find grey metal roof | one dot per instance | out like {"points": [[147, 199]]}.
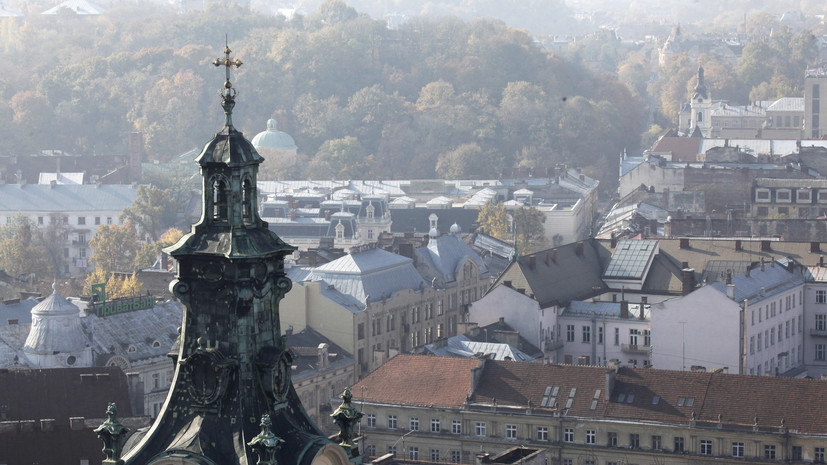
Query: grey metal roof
{"points": [[20, 311], [55, 327], [763, 284], [445, 255], [791, 183], [114, 334], [65, 198], [630, 259], [787, 104], [371, 273], [461, 346], [589, 309]]}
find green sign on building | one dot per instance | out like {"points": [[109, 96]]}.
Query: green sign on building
{"points": [[126, 304]]}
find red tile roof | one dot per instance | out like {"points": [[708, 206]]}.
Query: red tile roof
{"points": [[681, 148], [444, 382], [418, 380]]}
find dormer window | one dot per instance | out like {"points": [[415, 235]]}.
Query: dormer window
{"points": [[700, 116], [370, 210], [340, 230], [219, 200]]}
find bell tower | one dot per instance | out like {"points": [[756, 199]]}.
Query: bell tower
{"points": [[232, 399]]}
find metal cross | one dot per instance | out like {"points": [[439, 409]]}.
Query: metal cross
{"points": [[228, 63]]}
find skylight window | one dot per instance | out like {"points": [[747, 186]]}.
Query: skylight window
{"points": [[681, 401], [655, 400]]}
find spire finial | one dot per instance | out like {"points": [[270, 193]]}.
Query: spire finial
{"points": [[228, 93]]}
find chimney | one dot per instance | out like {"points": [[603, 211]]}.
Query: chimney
{"points": [[476, 374], [532, 262], [290, 201], [815, 247], [749, 267], [821, 261], [684, 243], [642, 315], [548, 258], [687, 280], [738, 245], [728, 276], [766, 246], [624, 309], [554, 255], [289, 330], [292, 215], [730, 290], [614, 241], [611, 376], [327, 215], [578, 248], [406, 249], [136, 393], [324, 356]]}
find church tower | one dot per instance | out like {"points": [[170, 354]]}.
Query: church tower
{"points": [[701, 104], [232, 401]]}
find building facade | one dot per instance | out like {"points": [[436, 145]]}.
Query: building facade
{"points": [[450, 410]]}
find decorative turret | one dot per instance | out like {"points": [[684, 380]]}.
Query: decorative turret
{"points": [[56, 338], [700, 93], [232, 399]]}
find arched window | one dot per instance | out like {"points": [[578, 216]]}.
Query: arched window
{"points": [[219, 191], [246, 203], [700, 116]]}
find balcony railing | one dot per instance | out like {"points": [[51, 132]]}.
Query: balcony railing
{"points": [[634, 349]]}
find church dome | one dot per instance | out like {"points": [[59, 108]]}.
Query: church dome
{"points": [[272, 138], [56, 330]]}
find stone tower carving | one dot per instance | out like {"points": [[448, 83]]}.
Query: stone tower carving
{"points": [[232, 382]]}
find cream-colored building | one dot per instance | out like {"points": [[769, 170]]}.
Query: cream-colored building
{"points": [[376, 304], [450, 409]]}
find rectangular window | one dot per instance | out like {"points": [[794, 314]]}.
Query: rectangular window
{"points": [[769, 452], [759, 342], [617, 336], [434, 455], [414, 424], [392, 421], [569, 333], [360, 330], [634, 441], [456, 426], [413, 453], [479, 428], [435, 428], [633, 332], [511, 431], [587, 334], [456, 456], [39, 220], [678, 444], [796, 453], [647, 338], [656, 443], [818, 454], [821, 296], [542, 433], [611, 439], [821, 352], [97, 221], [568, 435], [392, 450], [737, 449], [751, 345], [706, 447], [81, 220], [109, 220], [821, 322], [600, 335], [590, 436], [371, 420]]}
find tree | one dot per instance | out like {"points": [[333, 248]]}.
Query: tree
{"points": [[115, 248], [116, 286], [494, 221], [153, 210], [530, 232], [22, 250], [340, 159]]}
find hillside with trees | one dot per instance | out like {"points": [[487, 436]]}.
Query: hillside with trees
{"points": [[436, 97]]}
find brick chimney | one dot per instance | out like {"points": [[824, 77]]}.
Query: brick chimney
{"points": [[687, 280], [578, 248], [532, 262], [624, 309]]}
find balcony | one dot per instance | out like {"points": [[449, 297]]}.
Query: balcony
{"points": [[818, 332], [634, 349]]}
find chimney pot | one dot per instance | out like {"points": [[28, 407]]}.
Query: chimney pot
{"points": [[766, 246], [532, 262], [738, 245], [684, 244], [815, 247]]}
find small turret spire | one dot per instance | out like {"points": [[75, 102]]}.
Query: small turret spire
{"points": [[228, 93]]}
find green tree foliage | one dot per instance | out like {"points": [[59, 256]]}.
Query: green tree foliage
{"points": [[153, 210], [22, 249], [115, 248], [530, 232], [494, 221]]}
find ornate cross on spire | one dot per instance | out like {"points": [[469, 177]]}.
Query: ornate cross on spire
{"points": [[228, 93]]}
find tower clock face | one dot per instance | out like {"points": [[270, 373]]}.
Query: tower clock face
{"points": [[212, 272]]}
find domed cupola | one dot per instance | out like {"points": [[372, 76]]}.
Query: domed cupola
{"points": [[274, 139], [56, 338]]}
